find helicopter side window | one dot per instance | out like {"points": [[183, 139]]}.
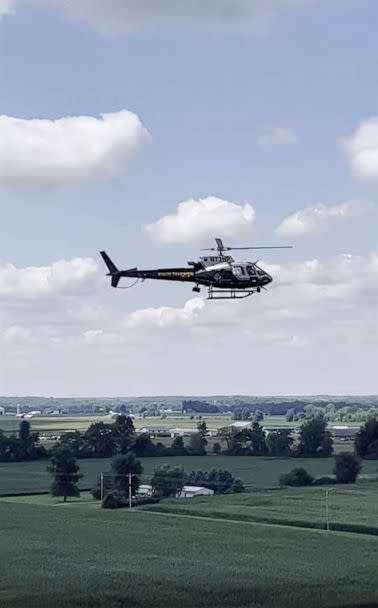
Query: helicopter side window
{"points": [[251, 271], [238, 270]]}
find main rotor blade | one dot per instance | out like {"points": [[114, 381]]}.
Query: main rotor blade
{"points": [[268, 247]]}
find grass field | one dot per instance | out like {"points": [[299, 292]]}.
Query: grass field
{"points": [[255, 472], [348, 506], [80, 555]]}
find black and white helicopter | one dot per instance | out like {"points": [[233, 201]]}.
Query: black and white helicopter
{"points": [[223, 277]]}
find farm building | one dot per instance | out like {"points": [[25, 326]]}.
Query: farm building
{"points": [[187, 491], [242, 424], [2, 410], [182, 432], [343, 433], [155, 431], [193, 491]]}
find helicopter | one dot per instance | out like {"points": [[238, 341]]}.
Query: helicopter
{"points": [[222, 276]]}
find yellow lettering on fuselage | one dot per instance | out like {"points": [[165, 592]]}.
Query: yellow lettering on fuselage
{"points": [[180, 275]]}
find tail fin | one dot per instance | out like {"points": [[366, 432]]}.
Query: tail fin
{"points": [[113, 270]]}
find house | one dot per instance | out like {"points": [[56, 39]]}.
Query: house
{"points": [[144, 490], [193, 491], [155, 431], [343, 433]]}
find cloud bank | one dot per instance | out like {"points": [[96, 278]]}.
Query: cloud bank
{"points": [[273, 135], [198, 220], [74, 149], [318, 217], [136, 15], [361, 149]]}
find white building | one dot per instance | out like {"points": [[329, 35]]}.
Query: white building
{"points": [[193, 491], [242, 424], [2, 410]]}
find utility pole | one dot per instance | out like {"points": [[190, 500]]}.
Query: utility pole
{"points": [[102, 486], [327, 491], [130, 496]]}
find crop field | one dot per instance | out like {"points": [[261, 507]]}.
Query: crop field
{"points": [[351, 507], [80, 555], [256, 473]]}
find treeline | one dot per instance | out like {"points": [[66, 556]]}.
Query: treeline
{"points": [[24, 446]]}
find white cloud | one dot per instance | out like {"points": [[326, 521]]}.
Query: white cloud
{"points": [[165, 317], [361, 149], [131, 15], [65, 277], [273, 135], [98, 337], [15, 335], [197, 220], [317, 217], [6, 7], [74, 149]]}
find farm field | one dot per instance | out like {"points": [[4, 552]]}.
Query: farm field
{"points": [[81, 423], [80, 555], [349, 506], [256, 473]]}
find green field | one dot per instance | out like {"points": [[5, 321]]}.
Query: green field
{"points": [[351, 507], [255, 472], [79, 555]]}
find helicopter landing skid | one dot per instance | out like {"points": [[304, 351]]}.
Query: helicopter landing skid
{"points": [[229, 294]]}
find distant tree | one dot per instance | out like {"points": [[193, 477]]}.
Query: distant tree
{"points": [[202, 427], [27, 446], [258, 416], [177, 447], [347, 467], [297, 477], [121, 467], [290, 415], [217, 448], [74, 440], [167, 481], [144, 446], [366, 440], [65, 471], [124, 434], [99, 440], [197, 444], [257, 440], [314, 438], [6, 451], [279, 443]]}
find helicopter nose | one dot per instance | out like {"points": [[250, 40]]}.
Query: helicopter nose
{"points": [[267, 278]]}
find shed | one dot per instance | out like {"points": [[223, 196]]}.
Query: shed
{"points": [[192, 491]]}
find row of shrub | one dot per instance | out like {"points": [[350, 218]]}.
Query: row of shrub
{"points": [[346, 470]]}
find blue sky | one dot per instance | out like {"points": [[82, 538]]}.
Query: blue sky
{"points": [[205, 94]]}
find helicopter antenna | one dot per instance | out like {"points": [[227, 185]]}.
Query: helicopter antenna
{"points": [[221, 248]]}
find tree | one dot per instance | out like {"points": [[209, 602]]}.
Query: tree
{"points": [[178, 448], [366, 440], [297, 477], [347, 467], [144, 446], [217, 448], [290, 415], [238, 486], [99, 440], [65, 471], [167, 481], [218, 480], [197, 444], [258, 416], [279, 443], [27, 448], [257, 439], [121, 468], [314, 439], [123, 433], [202, 427]]}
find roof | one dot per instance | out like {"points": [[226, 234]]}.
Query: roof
{"points": [[241, 424]]}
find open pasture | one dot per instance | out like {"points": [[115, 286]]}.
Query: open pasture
{"points": [[256, 473], [81, 555]]}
